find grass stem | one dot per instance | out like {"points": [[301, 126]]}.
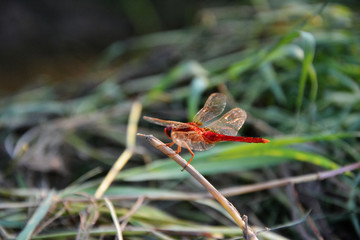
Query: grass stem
{"points": [[229, 207]]}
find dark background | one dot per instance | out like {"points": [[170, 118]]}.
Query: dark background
{"points": [[61, 40]]}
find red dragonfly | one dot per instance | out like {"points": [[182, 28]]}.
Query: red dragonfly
{"points": [[200, 135]]}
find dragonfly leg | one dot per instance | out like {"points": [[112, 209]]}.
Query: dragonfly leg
{"points": [[169, 144], [178, 148], [192, 155]]}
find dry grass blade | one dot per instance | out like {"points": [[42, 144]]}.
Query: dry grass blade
{"points": [[309, 220], [88, 218], [119, 164], [4, 234], [49, 221], [290, 180], [201, 179], [126, 217], [114, 218], [126, 155], [228, 192]]}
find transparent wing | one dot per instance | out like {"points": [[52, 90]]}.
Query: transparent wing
{"points": [[162, 122], [194, 140], [213, 107], [229, 123]]}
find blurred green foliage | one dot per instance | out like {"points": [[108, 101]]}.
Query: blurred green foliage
{"points": [[293, 66]]}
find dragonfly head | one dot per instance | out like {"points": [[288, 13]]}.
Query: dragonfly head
{"points": [[168, 131]]}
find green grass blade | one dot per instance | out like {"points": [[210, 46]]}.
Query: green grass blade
{"points": [[37, 217], [198, 86], [268, 73], [307, 42], [163, 170], [178, 73], [230, 157], [134, 191]]}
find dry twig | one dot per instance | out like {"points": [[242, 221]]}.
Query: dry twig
{"points": [[201, 179]]}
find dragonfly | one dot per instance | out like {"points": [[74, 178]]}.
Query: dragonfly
{"points": [[202, 133]]}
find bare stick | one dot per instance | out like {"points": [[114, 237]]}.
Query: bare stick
{"points": [[201, 179]]}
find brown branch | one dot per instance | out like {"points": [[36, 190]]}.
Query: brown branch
{"points": [[201, 179]]}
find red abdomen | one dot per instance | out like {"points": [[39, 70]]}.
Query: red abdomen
{"points": [[215, 137]]}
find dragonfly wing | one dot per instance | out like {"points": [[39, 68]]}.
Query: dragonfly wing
{"points": [[166, 123], [229, 123], [213, 107], [194, 140]]}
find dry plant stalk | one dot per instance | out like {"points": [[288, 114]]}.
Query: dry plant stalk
{"points": [[126, 155], [234, 191], [247, 231], [114, 218]]}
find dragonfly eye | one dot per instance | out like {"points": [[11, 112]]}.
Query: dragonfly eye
{"points": [[168, 131]]}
